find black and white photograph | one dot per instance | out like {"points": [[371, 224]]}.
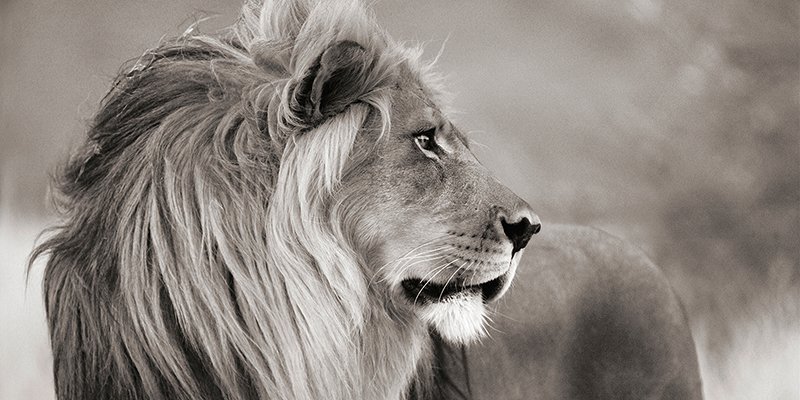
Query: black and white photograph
{"points": [[400, 199]]}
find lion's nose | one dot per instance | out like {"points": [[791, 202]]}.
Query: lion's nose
{"points": [[520, 230]]}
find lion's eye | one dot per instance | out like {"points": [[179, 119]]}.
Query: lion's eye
{"points": [[425, 140]]}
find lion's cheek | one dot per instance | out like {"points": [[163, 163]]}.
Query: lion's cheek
{"points": [[459, 319]]}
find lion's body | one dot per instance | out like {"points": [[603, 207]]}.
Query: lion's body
{"points": [[588, 317], [280, 211]]}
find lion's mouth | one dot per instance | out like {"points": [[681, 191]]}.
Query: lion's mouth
{"points": [[419, 291]]}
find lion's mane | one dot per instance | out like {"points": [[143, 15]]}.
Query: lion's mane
{"points": [[203, 254]]}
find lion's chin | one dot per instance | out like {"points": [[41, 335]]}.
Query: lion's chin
{"points": [[459, 319], [456, 311]]}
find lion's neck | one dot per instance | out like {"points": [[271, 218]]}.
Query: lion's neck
{"points": [[394, 347]]}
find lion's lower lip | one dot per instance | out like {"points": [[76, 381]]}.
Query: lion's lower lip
{"points": [[419, 291]]}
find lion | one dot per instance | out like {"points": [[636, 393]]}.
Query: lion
{"points": [[284, 210]]}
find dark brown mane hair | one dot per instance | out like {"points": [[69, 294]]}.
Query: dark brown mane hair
{"points": [[173, 107]]}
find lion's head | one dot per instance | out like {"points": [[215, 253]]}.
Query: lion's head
{"points": [[445, 234], [280, 211]]}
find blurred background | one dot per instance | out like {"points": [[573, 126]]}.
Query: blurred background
{"points": [[674, 124]]}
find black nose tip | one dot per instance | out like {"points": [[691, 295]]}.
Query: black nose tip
{"points": [[520, 232]]}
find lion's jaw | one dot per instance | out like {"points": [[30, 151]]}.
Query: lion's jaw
{"points": [[449, 280], [457, 309]]}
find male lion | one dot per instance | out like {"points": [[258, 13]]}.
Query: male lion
{"points": [[283, 211]]}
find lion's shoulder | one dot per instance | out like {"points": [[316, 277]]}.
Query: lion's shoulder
{"points": [[589, 316]]}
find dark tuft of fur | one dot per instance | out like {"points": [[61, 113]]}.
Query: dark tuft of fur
{"points": [[187, 86]]}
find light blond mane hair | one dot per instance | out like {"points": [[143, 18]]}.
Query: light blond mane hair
{"points": [[205, 250]]}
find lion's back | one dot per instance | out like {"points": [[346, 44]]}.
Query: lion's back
{"points": [[588, 316]]}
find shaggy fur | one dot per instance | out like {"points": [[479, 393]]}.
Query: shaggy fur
{"points": [[203, 254], [224, 236]]}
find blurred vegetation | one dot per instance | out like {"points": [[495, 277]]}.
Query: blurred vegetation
{"points": [[733, 229]]}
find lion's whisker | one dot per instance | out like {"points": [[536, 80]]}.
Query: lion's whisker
{"points": [[412, 252], [461, 268], [406, 262], [433, 273], [411, 263], [401, 263]]}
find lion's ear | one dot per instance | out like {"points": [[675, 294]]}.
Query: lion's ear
{"points": [[334, 82]]}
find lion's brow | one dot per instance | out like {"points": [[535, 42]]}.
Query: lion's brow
{"points": [[460, 135]]}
